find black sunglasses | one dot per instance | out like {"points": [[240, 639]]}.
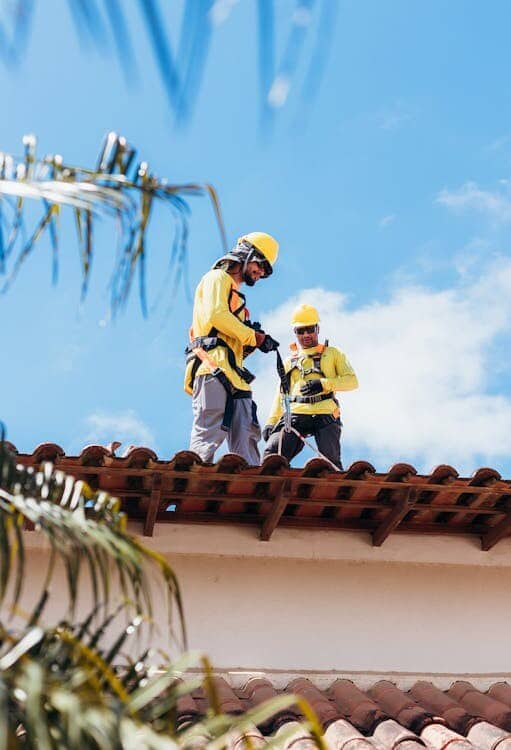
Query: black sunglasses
{"points": [[305, 329], [258, 257]]}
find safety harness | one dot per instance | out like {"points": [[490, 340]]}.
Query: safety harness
{"points": [[197, 352], [297, 361]]}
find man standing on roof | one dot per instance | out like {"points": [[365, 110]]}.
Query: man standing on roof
{"points": [[315, 372], [221, 335]]}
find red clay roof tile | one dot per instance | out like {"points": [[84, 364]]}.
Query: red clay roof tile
{"points": [[401, 706], [381, 717], [327, 711], [392, 735], [441, 704], [356, 706], [312, 497], [481, 705]]}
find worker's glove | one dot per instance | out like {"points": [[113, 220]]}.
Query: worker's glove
{"points": [[268, 344], [255, 325], [311, 387], [267, 431]]}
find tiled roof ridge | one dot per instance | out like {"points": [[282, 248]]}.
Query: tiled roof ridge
{"points": [[362, 679], [144, 456], [184, 489]]}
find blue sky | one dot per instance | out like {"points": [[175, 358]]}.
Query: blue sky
{"points": [[388, 192]]}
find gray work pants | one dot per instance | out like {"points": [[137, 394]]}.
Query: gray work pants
{"points": [[325, 429], [208, 403]]}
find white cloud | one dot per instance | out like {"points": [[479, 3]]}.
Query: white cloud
{"points": [[64, 361], [499, 144], [394, 117], [221, 10], [387, 220], [126, 427], [425, 361], [494, 205]]}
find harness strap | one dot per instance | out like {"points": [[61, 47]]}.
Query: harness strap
{"points": [[232, 393], [207, 343], [311, 399], [236, 310], [298, 359]]}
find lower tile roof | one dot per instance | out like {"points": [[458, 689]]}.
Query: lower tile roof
{"points": [[382, 716], [186, 490]]}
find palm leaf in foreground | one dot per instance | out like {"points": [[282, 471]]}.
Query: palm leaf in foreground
{"points": [[89, 682], [118, 188]]}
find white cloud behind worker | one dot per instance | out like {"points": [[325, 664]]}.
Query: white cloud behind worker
{"points": [[315, 372], [221, 336]]}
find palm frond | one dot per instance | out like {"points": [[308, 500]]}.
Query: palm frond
{"points": [[95, 544], [116, 188], [105, 24], [70, 686]]}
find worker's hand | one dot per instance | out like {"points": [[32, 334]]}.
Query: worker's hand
{"points": [[260, 337], [311, 387], [267, 431], [268, 344]]}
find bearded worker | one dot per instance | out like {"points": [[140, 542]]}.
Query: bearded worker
{"points": [[315, 372], [221, 336]]}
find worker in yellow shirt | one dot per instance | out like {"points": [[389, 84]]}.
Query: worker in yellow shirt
{"points": [[220, 337], [314, 372]]}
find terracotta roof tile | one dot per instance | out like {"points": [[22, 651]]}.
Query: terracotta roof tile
{"points": [[501, 691], [401, 706], [379, 718], [356, 706], [238, 741], [256, 691], [229, 702], [482, 705], [47, 452], [489, 737], [93, 455], [326, 710], [390, 734], [187, 710], [440, 736], [139, 457], [441, 704], [300, 739], [183, 489], [343, 736]]}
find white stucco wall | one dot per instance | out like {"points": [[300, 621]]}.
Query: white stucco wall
{"points": [[289, 615], [276, 606]]}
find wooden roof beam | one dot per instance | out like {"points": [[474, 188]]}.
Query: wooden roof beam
{"points": [[153, 505], [271, 521], [395, 516], [496, 533]]}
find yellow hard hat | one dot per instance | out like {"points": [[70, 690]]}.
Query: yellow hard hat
{"points": [[305, 315], [265, 243]]}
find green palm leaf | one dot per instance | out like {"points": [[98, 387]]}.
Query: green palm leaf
{"points": [[117, 188], [70, 686]]}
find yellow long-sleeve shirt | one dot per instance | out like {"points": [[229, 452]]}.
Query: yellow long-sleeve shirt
{"points": [[338, 376], [215, 298]]}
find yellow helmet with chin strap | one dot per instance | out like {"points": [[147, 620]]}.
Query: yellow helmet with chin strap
{"points": [[265, 243], [255, 246], [305, 315]]}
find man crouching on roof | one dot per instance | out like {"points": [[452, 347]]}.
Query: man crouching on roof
{"points": [[314, 371], [220, 337]]}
